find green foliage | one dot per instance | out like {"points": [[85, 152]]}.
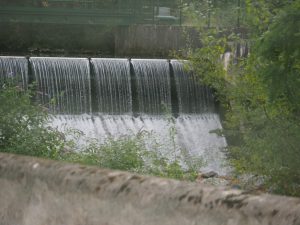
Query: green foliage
{"points": [[279, 51], [130, 153], [268, 110], [213, 13], [260, 95], [125, 153], [22, 125], [206, 64], [261, 13], [268, 138]]}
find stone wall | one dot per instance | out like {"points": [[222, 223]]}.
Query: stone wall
{"points": [[35, 191], [56, 40], [141, 41], [149, 41]]}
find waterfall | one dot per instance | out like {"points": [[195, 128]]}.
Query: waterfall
{"points": [[63, 84], [153, 85], [112, 86], [192, 96], [15, 68], [226, 57], [127, 97]]}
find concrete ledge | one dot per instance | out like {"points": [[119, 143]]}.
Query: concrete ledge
{"points": [[35, 192]]}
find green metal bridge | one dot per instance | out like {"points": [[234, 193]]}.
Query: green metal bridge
{"points": [[98, 12]]}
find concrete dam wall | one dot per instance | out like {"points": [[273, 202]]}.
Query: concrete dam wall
{"points": [[148, 41], [35, 191]]}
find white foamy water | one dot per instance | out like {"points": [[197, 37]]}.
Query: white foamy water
{"points": [[193, 133]]}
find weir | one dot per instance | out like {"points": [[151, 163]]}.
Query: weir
{"points": [[109, 98]]}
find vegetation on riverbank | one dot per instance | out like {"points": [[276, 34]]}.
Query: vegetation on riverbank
{"points": [[24, 130], [259, 92]]}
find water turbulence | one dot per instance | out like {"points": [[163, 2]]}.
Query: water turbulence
{"points": [[113, 95], [153, 85], [63, 84], [128, 97], [192, 134], [112, 86], [14, 69]]}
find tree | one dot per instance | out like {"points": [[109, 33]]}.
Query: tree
{"points": [[260, 94], [279, 50]]}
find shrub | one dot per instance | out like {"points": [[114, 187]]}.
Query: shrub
{"points": [[23, 127]]}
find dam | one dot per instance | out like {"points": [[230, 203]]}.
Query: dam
{"points": [[113, 97]]}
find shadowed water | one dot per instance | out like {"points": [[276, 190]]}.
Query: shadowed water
{"points": [[192, 96], [63, 84], [113, 87], [153, 85]]}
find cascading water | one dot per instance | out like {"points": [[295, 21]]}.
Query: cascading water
{"points": [[192, 96], [226, 57], [153, 85], [15, 68], [63, 84], [113, 86]]}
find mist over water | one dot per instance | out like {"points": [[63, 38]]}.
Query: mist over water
{"points": [[106, 98]]}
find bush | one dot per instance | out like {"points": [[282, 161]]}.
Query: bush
{"points": [[130, 153], [261, 98], [23, 125]]}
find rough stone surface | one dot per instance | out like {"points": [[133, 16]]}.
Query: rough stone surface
{"points": [[35, 191], [135, 41]]}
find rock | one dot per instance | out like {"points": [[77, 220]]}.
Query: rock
{"points": [[209, 175], [251, 182]]}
